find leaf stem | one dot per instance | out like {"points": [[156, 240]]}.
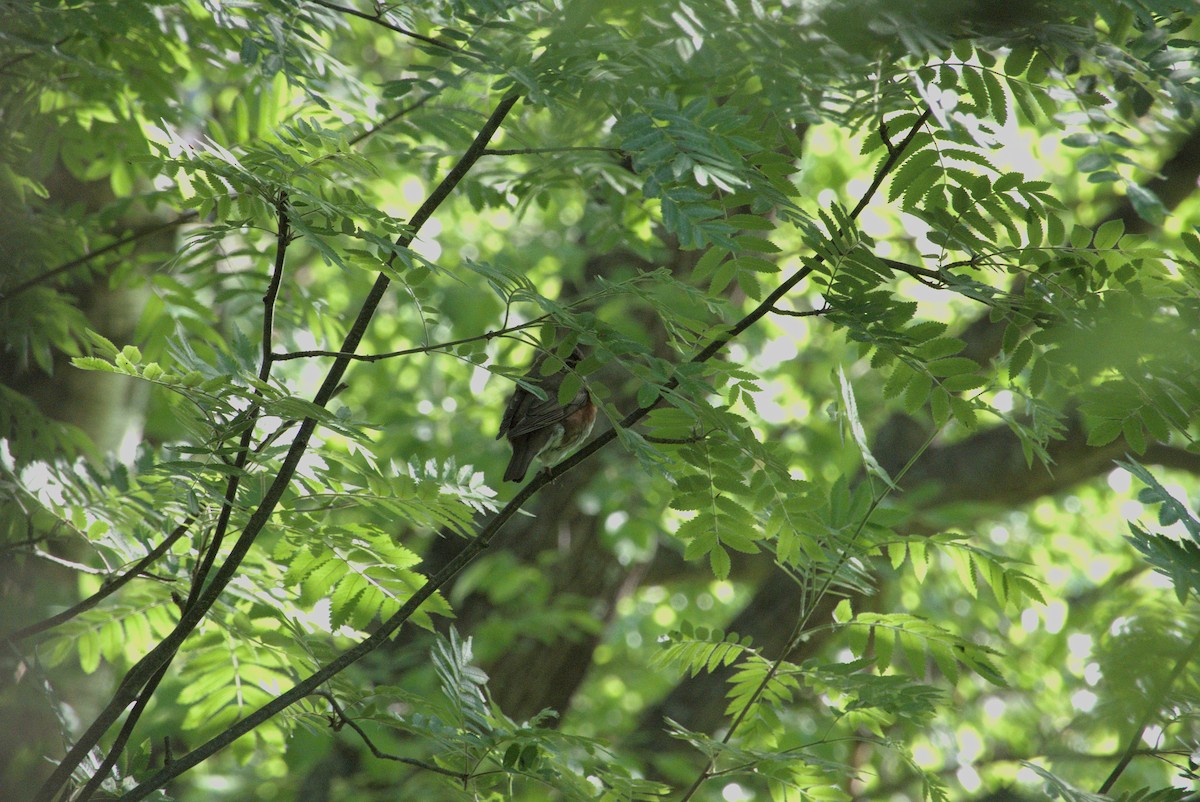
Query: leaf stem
{"points": [[894, 154], [1152, 708], [106, 590], [87, 257], [193, 613], [379, 20]]}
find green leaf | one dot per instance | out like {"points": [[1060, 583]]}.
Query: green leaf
{"points": [[952, 366], [1108, 234], [719, 560], [917, 393], [940, 406], [1102, 431], [1146, 204], [940, 347], [1020, 358], [569, 388], [850, 408]]}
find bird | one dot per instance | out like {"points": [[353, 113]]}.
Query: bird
{"points": [[543, 429]]}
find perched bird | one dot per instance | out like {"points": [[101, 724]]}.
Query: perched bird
{"points": [[544, 429]]}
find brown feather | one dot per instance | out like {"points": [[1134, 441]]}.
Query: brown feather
{"points": [[533, 424]]}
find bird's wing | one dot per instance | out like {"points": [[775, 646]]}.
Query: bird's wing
{"points": [[522, 399], [531, 413], [510, 412]]}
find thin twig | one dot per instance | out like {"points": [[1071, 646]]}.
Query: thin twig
{"points": [[20, 544], [1152, 708], [469, 552], [391, 118], [187, 216], [915, 271], [391, 26], [282, 239], [106, 590], [886, 137], [884, 169], [487, 336], [74, 565], [824, 310], [342, 718], [674, 441], [529, 151], [87, 257], [131, 688], [193, 614], [889, 163], [17, 59], [118, 745]]}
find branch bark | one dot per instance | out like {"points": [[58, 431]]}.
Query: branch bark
{"points": [[146, 668]]}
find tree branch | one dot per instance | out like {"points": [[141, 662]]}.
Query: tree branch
{"points": [[895, 152], [486, 336], [1152, 707], [106, 590], [17, 59], [148, 666], [282, 238], [801, 313], [87, 257], [473, 549], [186, 217], [343, 719], [379, 20], [529, 151]]}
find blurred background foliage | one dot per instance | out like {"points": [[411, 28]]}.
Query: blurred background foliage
{"points": [[897, 505]]}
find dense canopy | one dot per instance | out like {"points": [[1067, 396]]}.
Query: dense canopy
{"points": [[889, 310]]}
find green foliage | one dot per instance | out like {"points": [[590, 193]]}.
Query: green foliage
{"points": [[1176, 558], [491, 753], [807, 252], [900, 640], [696, 650]]}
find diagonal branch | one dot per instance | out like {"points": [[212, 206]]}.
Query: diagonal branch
{"points": [[141, 233], [107, 590], [895, 153], [482, 540], [282, 238], [378, 19], [344, 720], [148, 666], [1152, 708], [185, 217], [487, 336], [531, 151]]}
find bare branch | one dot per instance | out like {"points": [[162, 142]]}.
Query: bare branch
{"points": [[391, 26], [486, 336], [343, 719], [146, 668], [824, 310], [529, 151], [106, 590]]}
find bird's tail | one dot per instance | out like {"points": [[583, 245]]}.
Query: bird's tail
{"points": [[519, 464]]}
